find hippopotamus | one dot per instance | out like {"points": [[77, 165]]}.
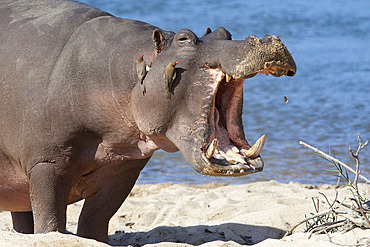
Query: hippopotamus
{"points": [[76, 125]]}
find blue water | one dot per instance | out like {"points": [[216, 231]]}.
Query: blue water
{"points": [[329, 98]]}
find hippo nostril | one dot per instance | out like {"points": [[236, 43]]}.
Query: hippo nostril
{"points": [[290, 73]]}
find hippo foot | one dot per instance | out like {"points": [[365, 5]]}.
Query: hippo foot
{"points": [[23, 222]]}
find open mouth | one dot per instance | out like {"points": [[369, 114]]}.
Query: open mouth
{"points": [[225, 149]]}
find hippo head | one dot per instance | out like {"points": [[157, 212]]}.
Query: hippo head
{"points": [[203, 118]]}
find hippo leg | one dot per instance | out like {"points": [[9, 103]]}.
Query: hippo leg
{"points": [[23, 222], [49, 197], [101, 206]]}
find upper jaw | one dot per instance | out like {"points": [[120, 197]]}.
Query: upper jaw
{"points": [[244, 59], [274, 68]]}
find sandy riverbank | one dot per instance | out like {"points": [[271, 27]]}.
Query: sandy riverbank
{"points": [[255, 214]]}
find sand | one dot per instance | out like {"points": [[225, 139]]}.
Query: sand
{"points": [[255, 214]]}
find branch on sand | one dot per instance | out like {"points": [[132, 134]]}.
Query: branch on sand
{"points": [[340, 216]]}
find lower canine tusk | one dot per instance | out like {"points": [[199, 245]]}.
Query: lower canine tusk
{"points": [[256, 149], [212, 148]]}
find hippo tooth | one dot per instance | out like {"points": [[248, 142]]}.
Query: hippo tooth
{"points": [[228, 158], [228, 78], [211, 149], [217, 155], [147, 68], [235, 149], [256, 149], [234, 155]]}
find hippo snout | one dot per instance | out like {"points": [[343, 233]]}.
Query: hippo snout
{"points": [[282, 59], [245, 59]]}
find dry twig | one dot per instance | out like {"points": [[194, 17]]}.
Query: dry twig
{"points": [[307, 219], [335, 219], [326, 156], [360, 146]]}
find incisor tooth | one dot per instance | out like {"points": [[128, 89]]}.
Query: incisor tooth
{"points": [[235, 149], [256, 149], [228, 78], [228, 158], [211, 149], [235, 156], [217, 155]]}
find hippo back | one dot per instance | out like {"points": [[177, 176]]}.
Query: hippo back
{"points": [[33, 35]]}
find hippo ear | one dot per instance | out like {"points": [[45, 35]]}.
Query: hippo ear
{"points": [[159, 40], [208, 31], [219, 34]]}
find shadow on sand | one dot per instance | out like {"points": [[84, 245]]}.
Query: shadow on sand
{"points": [[196, 235]]}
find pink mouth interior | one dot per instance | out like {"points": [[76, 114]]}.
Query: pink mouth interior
{"points": [[226, 117], [227, 114]]}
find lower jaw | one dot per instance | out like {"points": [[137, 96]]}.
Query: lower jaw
{"points": [[231, 170]]}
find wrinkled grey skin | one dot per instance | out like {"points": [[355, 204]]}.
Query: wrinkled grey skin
{"points": [[75, 125]]}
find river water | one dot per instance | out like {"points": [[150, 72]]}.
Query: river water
{"points": [[329, 98]]}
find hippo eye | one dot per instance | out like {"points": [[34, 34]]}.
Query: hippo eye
{"points": [[183, 39]]}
